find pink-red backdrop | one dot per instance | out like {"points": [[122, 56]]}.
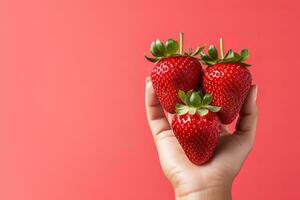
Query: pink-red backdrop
{"points": [[72, 119]]}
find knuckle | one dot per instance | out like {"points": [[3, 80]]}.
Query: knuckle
{"points": [[175, 176], [160, 137]]}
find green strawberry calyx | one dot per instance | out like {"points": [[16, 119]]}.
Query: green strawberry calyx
{"points": [[170, 48], [195, 102], [212, 57]]}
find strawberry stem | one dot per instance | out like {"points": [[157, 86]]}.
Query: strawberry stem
{"points": [[181, 43], [221, 48]]}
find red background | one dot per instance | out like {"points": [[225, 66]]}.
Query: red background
{"points": [[72, 119]]}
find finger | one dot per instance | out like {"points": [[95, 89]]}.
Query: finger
{"points": [[246, 124], [155, 113], [224, 130], [171, 154], [233, 149], [170, 117]]}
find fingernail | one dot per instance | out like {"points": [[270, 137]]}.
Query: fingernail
{"points": [[148, 79], [255, 92]]}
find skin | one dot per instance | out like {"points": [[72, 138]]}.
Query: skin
{"points": [[213, 180]]}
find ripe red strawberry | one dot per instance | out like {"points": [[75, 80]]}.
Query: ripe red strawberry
{"points": [[173, 72], [227, 80], [196, 126]]}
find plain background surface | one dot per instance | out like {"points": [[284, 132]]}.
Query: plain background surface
{"points": [[72, 76]]}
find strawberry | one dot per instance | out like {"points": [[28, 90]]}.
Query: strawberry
{"points": [[196, 126], [173, 71], [227, 80]]}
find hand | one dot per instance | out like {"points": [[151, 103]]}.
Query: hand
{"points": [[212, 180]]}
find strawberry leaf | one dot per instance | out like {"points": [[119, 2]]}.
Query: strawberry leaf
{"points": [[209, 63], [161, 47], [245, 64], [205, 63], [237, 57], [244, 54], [212, 52], [192, 110], [206, 99], [205, 57], [181, 109], [182, 96], [229, 55], [171, 46], [195, 99], [188, 96], [213, 108], [198, 50], [202, 112], [154, 50], [195, 103], [211, 57], [154, 60]]}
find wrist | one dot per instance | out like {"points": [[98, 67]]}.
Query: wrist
{"points": [[213, 193]]}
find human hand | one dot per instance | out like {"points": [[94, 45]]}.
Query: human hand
{"points": [[212, 180]]}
